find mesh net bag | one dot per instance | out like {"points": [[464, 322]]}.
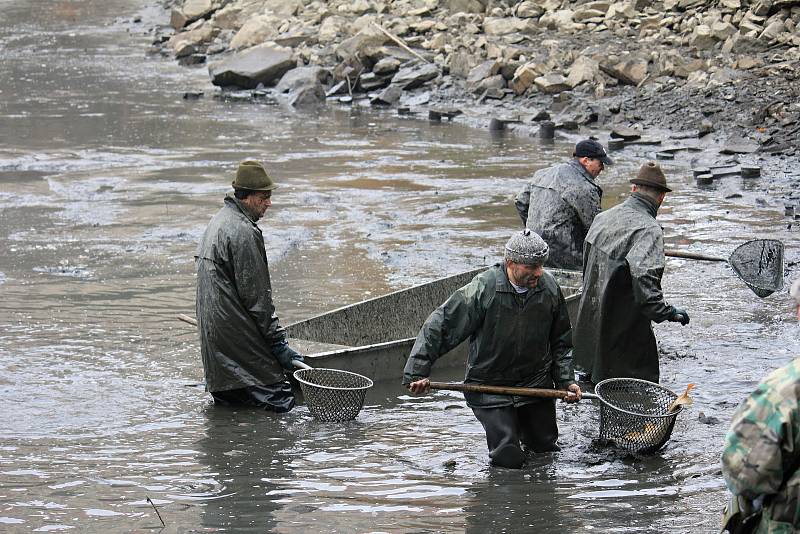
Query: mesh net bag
{"points": [[633, 414], [331, 394]]}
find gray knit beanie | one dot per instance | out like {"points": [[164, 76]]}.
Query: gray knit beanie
{"points": [[527, 247]]}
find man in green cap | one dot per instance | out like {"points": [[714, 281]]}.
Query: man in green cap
{"points": [[761, 457], [623, 262], [242, 342], [516, 320]]}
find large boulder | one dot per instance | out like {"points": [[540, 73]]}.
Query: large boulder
{"points": [[255, 31], [262, 64], [191, 11], [583, 69], [301, 76], [363, 44], [630, 71]]}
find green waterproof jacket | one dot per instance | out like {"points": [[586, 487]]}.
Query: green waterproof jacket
{"points": [[761, 458], [514, 340], [235, 315], [623, 262]]}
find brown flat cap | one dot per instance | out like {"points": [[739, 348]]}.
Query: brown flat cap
{"points": [[650, 174]]}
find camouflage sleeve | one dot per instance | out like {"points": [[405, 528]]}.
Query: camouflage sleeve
{"points": [[760, 446]]}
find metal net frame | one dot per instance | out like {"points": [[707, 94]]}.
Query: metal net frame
{"points": [[759, 263], [633, 414], [333, 395]]}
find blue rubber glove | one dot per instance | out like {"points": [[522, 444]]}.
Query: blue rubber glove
{"points": [[679, 316], [285, 354]]}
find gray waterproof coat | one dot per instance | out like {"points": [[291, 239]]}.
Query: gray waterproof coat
{"points": [[623, 266], [514, 340], [235, 315], [559, 204]]}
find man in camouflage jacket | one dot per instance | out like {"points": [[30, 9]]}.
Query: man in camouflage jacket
{"points": [[516, 320], [761, 459]]}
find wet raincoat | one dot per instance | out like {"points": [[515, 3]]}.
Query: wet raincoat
{"points": [[623, 266], [514, 340], [559, 204], [235, 315], [761, 458]]}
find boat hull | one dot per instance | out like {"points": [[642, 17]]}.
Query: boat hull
{"points": [[374, 337]]}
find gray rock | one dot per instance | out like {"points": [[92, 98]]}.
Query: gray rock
{"points": [[388, 97], [370, 81], [191, 11], [483, 71], [414, 76], [262, 64], [629, 71], [465, 6], [307, 96], [490, 85], [528, 10], [552, 83], [772, 31], [365, 43], [301, 76], [739, 145], [387, 65], [583, 69], [461, 62]]}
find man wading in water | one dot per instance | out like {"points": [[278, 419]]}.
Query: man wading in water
{"points": [[623, 262], [242, 342], [560, 203], [515, 318]]}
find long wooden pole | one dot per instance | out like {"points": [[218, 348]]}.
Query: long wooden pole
{"points": [[692, 256], [507, 390], [399, 42]]}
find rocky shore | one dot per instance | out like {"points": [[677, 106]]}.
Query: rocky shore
{"points": [[717, 80]]}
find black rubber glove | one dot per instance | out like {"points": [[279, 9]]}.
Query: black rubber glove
{"points": [[285, 354], [679, 316]]}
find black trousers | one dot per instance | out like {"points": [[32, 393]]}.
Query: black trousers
{"points": [[276, 397], [531, 425]]}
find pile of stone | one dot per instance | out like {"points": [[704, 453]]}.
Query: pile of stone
{"points": [[486, 50]]}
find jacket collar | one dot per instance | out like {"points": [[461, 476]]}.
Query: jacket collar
{"points": [[236, 204], [640, 202], [574, 163], [503, 284]]}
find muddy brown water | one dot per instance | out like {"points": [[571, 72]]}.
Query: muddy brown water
{"points": [[107, 178]]}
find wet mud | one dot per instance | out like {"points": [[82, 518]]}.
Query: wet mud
{"points": [[107, 179]]}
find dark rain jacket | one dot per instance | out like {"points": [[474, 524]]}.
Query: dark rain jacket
{"points": [[559, 204], [623, 266], [514, 340], [235, 315]]}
